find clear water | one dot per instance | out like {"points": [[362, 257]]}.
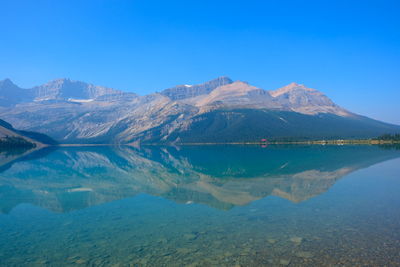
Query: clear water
{"points": [[201, 206]]}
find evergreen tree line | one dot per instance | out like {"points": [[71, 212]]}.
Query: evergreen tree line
{"points": [[394, 137], [15, 142]]}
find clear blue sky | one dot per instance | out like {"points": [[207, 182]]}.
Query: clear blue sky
{"points": [[350, 50]]}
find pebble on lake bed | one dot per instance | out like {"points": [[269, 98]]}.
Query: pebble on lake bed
{"points": [[190, 236], [183, 250], [284, 262], [80, 261], [304, 254], [296, 240]]}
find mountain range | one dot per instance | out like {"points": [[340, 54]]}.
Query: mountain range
{"points": [[217, 111]]}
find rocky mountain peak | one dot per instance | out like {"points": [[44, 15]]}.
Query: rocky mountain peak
{"points": [[60, 80], [290, 88], [63, 82], [11, 94], [222, 80], [299, 98], [65, 88], [238, 93], [294, 85], [238, 86], [187, 91], [7, 84]]}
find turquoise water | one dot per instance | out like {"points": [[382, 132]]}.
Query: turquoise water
{"points": [[201, 206]]}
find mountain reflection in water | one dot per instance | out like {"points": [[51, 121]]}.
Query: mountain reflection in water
{"points": [[71, 178]]}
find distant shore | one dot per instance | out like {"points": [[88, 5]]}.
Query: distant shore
{"points": [[313, 142], [73, 145]]}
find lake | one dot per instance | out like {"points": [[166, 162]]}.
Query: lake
{"points": [[280, 205]]}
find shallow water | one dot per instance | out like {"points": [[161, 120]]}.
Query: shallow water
{"points": [[202, 206]]}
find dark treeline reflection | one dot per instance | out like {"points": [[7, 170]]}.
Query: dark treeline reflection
{"points": [[71, 178]]}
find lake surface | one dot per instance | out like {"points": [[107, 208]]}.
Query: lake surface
{"points": [[201, 206]]}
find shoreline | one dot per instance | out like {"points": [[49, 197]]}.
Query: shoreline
{"points": [[315, 142]]}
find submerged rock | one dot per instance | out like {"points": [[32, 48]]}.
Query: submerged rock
{"points": [[284, 262], [190, 236], [297, 240], [304, 254], [80, 261], [183, 250]]}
